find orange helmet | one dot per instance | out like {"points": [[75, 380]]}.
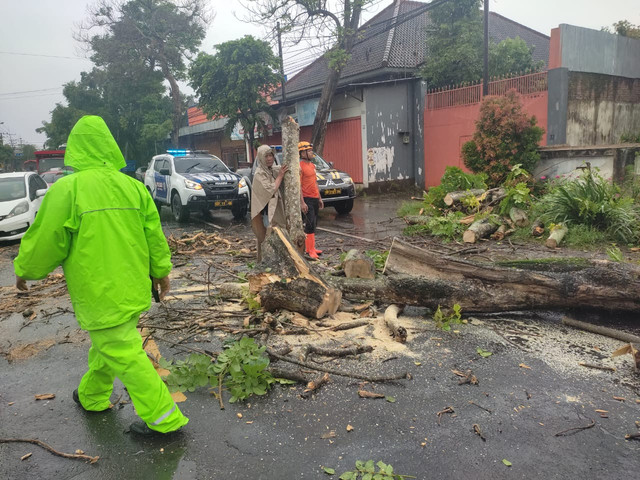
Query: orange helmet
{"points": [[302, 146]]}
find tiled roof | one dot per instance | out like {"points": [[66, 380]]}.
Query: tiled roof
{"points": [[385, 48]]}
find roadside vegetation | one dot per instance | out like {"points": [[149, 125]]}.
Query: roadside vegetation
{"points": [[500, 197]]}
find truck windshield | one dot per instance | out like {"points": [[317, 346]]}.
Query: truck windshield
{"points": [[199, 165], [12, 189], [50, 163]]}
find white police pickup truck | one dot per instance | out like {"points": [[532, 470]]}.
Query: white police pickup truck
{"points": [[195, 182]]}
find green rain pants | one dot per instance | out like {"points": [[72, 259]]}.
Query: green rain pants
{"points": [[117, 352]]}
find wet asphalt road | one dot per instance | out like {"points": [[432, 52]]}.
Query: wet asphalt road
{"points": [[283, 436]]}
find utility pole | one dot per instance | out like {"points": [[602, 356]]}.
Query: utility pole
{"points": [[485, 74], [284, 95]]}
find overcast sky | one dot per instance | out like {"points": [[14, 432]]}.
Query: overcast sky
{"points": [[38, 54]]}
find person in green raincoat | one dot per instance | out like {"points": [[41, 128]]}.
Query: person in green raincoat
{"points": [[104, 229]]}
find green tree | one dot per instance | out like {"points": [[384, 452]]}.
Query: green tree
{"points": [[160, 34], [512, 55], [454, 44], [337, 20], [454, 48], [131, 101], [505, 136], [236, 83], [6, 156], [624, 28]]}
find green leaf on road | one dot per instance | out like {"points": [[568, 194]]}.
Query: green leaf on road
{"points": [[506, 462], [483, 353], [329, 471]]}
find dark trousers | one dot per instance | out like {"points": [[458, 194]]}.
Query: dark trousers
{"points": [[310, 219]]}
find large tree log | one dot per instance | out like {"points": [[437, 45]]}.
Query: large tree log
{"points": [[292, 207], [414, 276], [285, 280]]}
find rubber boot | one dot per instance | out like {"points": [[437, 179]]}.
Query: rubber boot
{"points": [[309, 242], [318, 252]]}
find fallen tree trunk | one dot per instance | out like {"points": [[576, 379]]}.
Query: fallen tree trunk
{"points": [[285, 280], [414, 276]]}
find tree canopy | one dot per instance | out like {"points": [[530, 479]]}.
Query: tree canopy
{"points": [[158, 34], [624, 28], [455, 47], [236, 82], [336, 21], [132, 102]]}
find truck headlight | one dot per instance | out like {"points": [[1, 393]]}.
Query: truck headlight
{"points": [[242, 183], [347, 180], [19, 209], [192, 185]]}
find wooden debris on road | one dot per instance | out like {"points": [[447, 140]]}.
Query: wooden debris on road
{"points": [[398, 332], [557, 234], [286, 281], [47, 447], [358, 265]]}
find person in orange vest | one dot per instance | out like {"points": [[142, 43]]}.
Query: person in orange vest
{"points": [[310, 195]]}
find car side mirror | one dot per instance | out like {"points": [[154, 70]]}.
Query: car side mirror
{"points": [[165, 171], [40, 192], [331, 164]]}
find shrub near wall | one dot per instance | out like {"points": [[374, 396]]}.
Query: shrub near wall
{"points": [[505, 136]]}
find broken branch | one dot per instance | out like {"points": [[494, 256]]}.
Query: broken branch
{"points": [[35, 441]]}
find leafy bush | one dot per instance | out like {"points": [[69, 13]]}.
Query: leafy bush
{"points": [[504, 136], [448, 227], [454, 179], [241, 368], [594, 202]]}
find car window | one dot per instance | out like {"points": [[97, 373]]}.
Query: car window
{"points": [[12, 188], [199, 165], [40, 183], [157, 165], [51, 177], [32, 187]]}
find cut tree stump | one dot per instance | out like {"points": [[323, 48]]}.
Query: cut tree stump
{"points": [[285, 280], [414, 276], [479, 229], [291, 183], [358, 265]]}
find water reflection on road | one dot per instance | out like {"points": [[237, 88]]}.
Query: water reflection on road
{"points": [[372, 217]]}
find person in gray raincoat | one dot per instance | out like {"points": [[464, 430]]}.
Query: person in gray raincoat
{"points": [[267, 206]]}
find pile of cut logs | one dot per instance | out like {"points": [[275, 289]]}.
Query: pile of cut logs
{"points": [[491, 225]]}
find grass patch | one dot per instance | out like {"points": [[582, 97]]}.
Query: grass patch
{"points": [[410, 208]]}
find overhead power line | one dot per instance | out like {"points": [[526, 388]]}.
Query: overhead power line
{"points": [[42, 55], [31, 91]]}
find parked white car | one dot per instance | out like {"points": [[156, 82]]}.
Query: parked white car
{"points": [[195, 182], [20, 198]]}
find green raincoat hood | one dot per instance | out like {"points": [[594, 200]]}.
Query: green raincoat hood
{"points": [[91, 145]]}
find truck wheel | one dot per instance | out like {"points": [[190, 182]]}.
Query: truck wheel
{"points": [[344, 207], [239, 213], [180, 213]]}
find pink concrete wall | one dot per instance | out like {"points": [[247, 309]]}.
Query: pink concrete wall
{"points": [[449, 120]]}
